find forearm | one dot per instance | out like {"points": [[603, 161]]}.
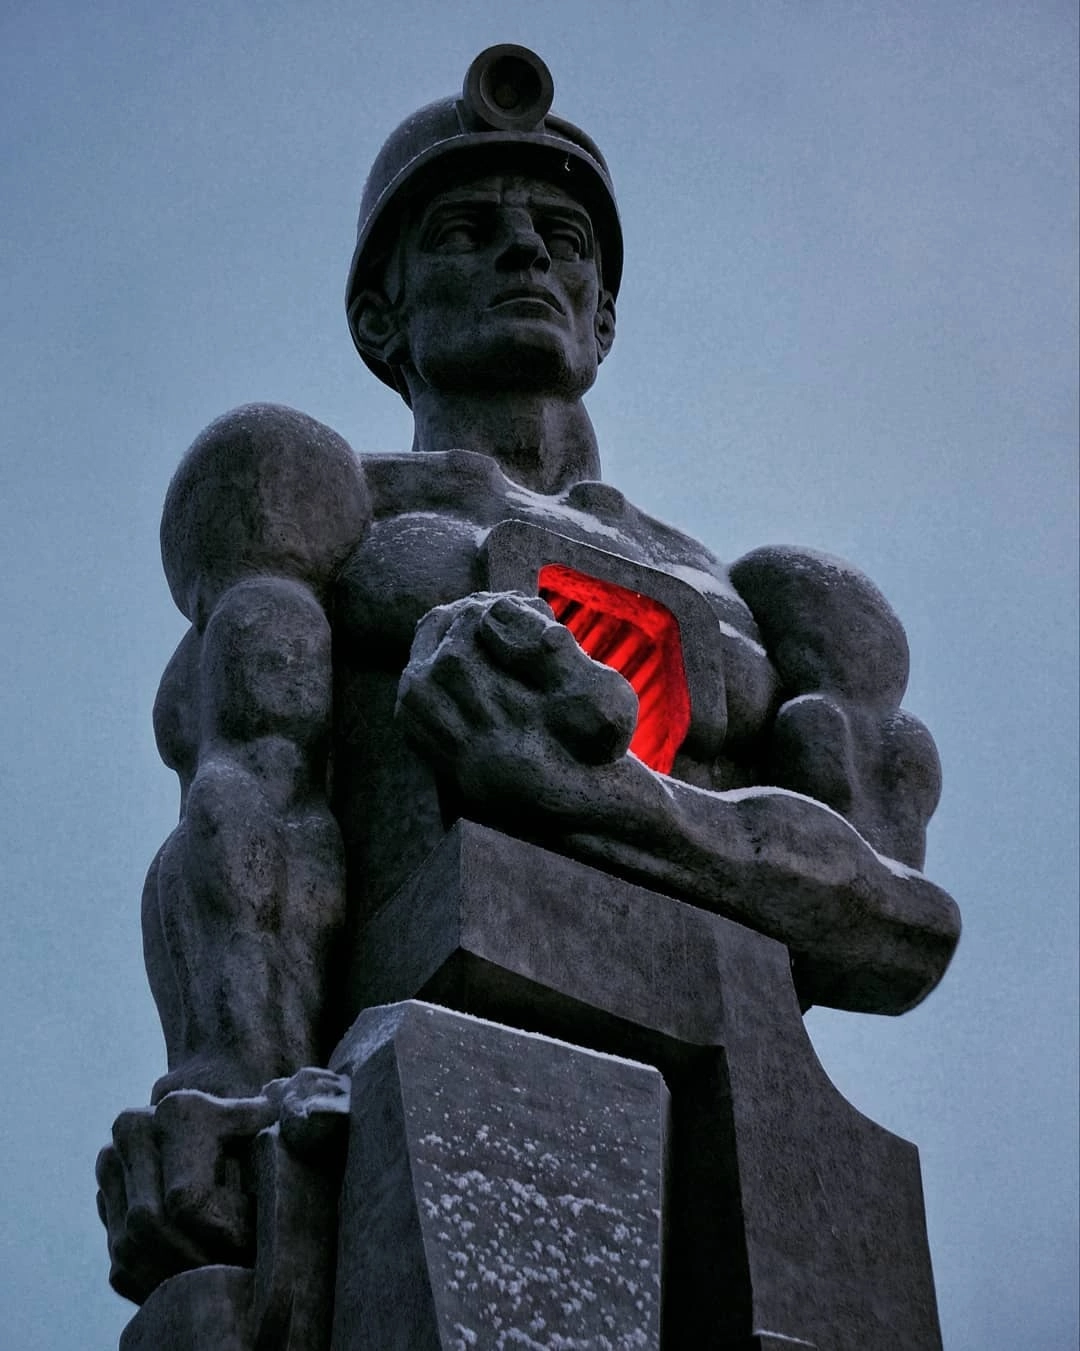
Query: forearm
{"points": [[250, 887], [866, 932]]}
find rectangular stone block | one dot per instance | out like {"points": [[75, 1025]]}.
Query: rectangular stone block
{"points": [[503, 1189], [792, 1216]]}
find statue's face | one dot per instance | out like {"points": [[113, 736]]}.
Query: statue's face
{"points": [[500, 290]]}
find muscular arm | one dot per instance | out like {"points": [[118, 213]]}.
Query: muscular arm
{"points": [[532, 735], [245, 899], [840, 735]]}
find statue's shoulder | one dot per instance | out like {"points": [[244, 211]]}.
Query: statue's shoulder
{"points": [[825, 624], [462, 484], [264, 490]]}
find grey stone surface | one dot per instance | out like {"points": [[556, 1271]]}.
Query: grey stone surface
{"points": [[482, 699], [483, 289], [296, 1245], [173, 1192], [200, 1188], [246, 897], [368, 662], [204, 1310], [789, 1211], [502, 1190], [840, 735]]}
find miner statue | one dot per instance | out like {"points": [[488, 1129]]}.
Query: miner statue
{"points": [[509, 809]]}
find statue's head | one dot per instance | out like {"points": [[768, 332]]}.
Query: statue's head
{"points": [[488, 233]]}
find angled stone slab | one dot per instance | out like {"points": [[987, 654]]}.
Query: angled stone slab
{"points": [[791, 1217], [502, 1189], [204, 1310]]}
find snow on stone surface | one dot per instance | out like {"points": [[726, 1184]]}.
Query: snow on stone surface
{"points": [[897, 868], [539, 1178], [541, 507], [708, 583]]}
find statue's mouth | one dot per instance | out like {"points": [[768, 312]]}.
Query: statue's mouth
{"points": [[527, 295]]}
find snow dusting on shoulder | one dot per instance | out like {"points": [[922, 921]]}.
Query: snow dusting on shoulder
{"points": [[708, 583], [825, 560], [730, 631], [552, 509], [899, 869]]}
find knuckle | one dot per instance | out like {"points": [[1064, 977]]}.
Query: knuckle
{"points": [[132, 1127]]}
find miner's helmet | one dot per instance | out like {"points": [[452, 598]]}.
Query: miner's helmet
{"points": [[501, 123]]}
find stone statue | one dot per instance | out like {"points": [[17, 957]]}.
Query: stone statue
{"points": [[481, 628]]}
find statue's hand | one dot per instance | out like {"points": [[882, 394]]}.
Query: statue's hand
{"points": [[499, 696], [173, 1191], [177, 1184], [532, 734]]}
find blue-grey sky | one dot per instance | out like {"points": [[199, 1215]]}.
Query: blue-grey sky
{"points": [[848, 321]]}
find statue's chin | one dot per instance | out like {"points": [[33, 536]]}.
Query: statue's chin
{"points": [[532, 360]]}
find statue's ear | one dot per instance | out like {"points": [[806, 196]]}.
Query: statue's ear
{"points": [[604, 324], [375, 323]]}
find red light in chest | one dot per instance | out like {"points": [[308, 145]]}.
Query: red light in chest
{"points": [[639, 638]]}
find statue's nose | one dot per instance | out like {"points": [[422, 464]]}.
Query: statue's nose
{"points": [[522, 247]]}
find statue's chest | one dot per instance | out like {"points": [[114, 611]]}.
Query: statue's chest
{"points": [[440, 532], [417, 559], [426, 546], [405, 565]]}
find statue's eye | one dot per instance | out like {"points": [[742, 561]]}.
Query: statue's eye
{"points": [[565, 240], [459, 233]]}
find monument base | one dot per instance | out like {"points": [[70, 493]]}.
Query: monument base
{"points": [[501, 1189], [791, 1216], [603, 1126]]}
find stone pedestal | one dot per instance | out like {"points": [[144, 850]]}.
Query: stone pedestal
{"points": [[582, 1115], [790, 1216], [502, 1189]]}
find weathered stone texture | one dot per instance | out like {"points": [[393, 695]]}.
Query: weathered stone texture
{"points": [[503, 1190], [204, 1310], [788, 1210], [371, 668]]}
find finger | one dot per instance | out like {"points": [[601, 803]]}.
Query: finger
{"points": [[595, 730], [314, 1088], [135, 1146], [563, 661], [437, 623], [503, 605], [130, 1273], [111, 1197], [204, 1142], [315, 1116], [520, 636], [461, 671], [144, 1247], [432, 719]]}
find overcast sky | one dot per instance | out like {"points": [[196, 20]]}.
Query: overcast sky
{"points": [[848, 321]]}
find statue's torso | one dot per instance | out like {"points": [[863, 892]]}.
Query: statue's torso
{"points": [[432, 515]]}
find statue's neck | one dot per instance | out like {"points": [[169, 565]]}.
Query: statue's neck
{"points": [[544, 443]]}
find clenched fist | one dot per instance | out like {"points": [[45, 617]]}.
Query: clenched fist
{"points": [[501, 699]]}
